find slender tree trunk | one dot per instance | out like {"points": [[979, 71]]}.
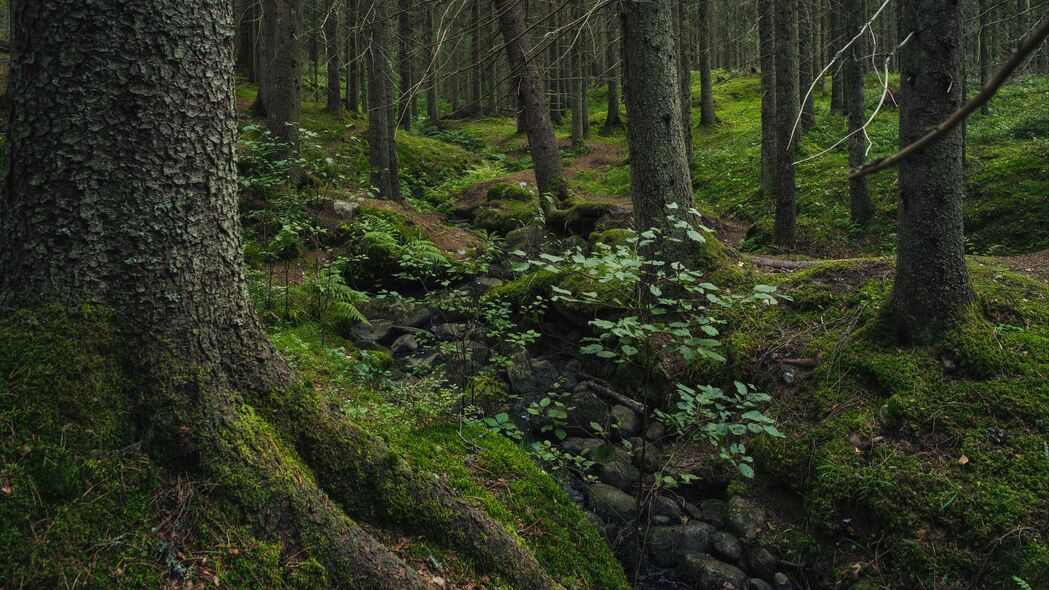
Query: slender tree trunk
{"points": [[661, 185], [932, 282], [806, 64], [612, 56], [404, 64], [786, 114], [433, 101], [767, 47], [862, 208], [476, 90], [546, 156], [985, 48], [282, 24], [382, 118], [331, 43], [353, 62], [576, 83], [838, 39], [707, 116]]}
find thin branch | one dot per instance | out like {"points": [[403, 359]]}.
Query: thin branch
{"points": [[1028, 47]]}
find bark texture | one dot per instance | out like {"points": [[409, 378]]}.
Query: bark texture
{"points": [[785, 226], [331, 44], [282, 79], [767, 49], [661, 186], [612, 56], [382, 119], [861, 206], [707, 115], [546, 156], [932, 282], [104, 178]]}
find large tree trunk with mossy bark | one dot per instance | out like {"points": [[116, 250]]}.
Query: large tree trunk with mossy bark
{"points": [[382, 118], [932, 282], [660, 182], [542, 143], [122, 192]]}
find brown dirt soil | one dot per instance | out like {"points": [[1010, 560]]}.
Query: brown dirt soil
{"points": [[1035, 265], [449, 238]]}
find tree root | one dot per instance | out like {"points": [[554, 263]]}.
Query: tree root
{"points": [[263, 478], [373, 484]]}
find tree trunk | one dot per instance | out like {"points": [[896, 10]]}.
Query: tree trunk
{"points": [[353, 62], [331, 43], [661, 185], [577, 84], [612, 56], [838, 39], [862, 208], [683, 41], [786, 114], [282, 28], [433, 101], [985, 49], [546, 156], [932, 282], [806, 75], [404, 64], [476, 91], [382, 118], [707, 116], [767, 47]]}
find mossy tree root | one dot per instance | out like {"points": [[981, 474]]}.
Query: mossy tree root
{"points": [[262, 477], [373, 484]]}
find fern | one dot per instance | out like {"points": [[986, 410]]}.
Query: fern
{"points": [[329, 295], [1022, 584]]}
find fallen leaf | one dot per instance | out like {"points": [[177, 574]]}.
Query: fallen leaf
{"points": [[963, 460], [5, 487]]}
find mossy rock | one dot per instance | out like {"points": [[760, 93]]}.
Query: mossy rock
{"points": [[577, 216], [612, 238], [506, 207]]}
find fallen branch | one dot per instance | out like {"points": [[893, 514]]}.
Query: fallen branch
{"points": [[783, 264], [1029, 45], [619, 398]]}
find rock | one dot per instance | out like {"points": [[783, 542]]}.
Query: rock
{"points": [[585, 408], [447, 332], [760, 563], [619, 473], [570, 374], [789, 375], [416, 316], [656, 431], [669, 545], [703, 572], [345, 209], [647, 456], [725, 546], [624, 421], [404, 345], [596, 522], [466, 357], [713, 511], [482, 285], [584, 447], [781, 582], [612, 504], [423, 363], [664, 506], [744, 518], [374, 331], [757, 584], [658, 520], [529, 377], [529, 238]]}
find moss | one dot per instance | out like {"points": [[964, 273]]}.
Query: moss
{"points": [[577, 216], [612, 237], [506, 207], [959, 461], [522, 497]]}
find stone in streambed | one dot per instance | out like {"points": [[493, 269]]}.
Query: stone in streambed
{"points": [[703, 572], [669, 545]]}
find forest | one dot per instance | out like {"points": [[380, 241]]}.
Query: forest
{"points": [[524, 294]]}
